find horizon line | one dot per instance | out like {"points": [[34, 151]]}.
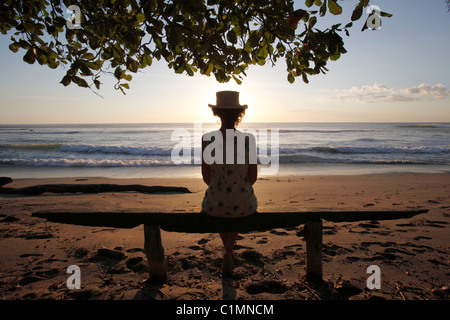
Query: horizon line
{"points": [[207, 122]]}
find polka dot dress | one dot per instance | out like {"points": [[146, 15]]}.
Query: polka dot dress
{"points": [[230, 193]]}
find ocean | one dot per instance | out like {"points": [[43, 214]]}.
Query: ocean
{"points": [[147, 150]]}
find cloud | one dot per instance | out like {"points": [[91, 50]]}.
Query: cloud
{"points": [[382, 93]]}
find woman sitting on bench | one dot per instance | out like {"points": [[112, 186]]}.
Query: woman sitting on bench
{"points": [[229, 169]]}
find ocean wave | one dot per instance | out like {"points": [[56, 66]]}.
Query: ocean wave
{"points": [[84, 163], [288, 150], [304, 159], [288, 159], [52, 132], [86, 148], [424, 125], [105, 163], [34, 146], [364, 150], [380, 150], [367, 140], [323, 130], [23, 132]]}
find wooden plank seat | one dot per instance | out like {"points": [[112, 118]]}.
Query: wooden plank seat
{"points": [[195, 222]]}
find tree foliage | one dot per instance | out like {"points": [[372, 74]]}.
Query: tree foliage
{"points": [[221, 38]]}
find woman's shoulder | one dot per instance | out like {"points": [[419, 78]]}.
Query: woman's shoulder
{"points": [[245, 133], [208, 135]]}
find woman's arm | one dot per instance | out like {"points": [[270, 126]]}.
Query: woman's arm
{"points": [[253, 158], [252, 173], [206, 173]]}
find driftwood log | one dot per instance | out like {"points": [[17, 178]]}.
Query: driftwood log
{"points": [[90, 188], [5, 180]]}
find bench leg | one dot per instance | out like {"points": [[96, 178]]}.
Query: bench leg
{"points": [[313, 237], [155, 252]]}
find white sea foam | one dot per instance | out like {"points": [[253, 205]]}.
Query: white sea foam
{"points": [[84, 163], [86, 148], [363, 150]]}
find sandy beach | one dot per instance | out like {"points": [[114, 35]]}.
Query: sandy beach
{"points": [[412, 254]]}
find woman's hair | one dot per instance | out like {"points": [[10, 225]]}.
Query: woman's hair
{"points": [[230, 117]]}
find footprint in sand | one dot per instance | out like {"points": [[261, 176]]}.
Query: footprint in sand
{"points": [[369, 225], [422, 237], [203, 241], [282, 254], [10, 219], [252, 257], [262, 241], [268, 286], [435, 223], [279, 233]]}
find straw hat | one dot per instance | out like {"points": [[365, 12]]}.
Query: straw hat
{"points": [[227, 100]]}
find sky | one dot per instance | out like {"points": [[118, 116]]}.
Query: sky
{"points": [[398, 73]]}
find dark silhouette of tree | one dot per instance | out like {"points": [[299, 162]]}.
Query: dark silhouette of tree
{"points": [[221, 38]]}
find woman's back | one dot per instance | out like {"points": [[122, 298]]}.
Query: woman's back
{"points": [[230, 191]]}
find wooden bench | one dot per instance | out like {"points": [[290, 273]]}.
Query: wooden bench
{"points": [[195, 222]]}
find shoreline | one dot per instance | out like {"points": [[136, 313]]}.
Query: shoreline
{"points": [[21, 172], [411, 253]]}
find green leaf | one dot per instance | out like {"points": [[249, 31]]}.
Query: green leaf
{"points": [[180, 68], [238, 81], [305, 78], [385, 14], [132, 65], [29, 57], [92, 65], [312, 22], [290, 78], [309, 3], [147, 59], [260, 60], [66, 80], [301, 14], [254, 38], [85, 69], [231, 36], [357, 13], [323, 9], [87, 56], [59, 22], [334, 7], [209, 69], [80, 82], [118, 73], [14, 47], [335, 56], [97, 84], [125, 85], [24, 44], [140, 17], [280, 47], [189, 70]]}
